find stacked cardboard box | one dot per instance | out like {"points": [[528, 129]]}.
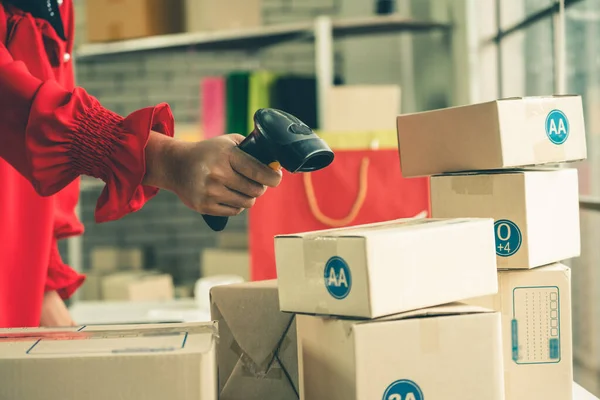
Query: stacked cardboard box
{"points": [[379, 297], [484, 161]]}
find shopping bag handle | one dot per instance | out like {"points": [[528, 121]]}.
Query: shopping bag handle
{"points": [[356, 207]]}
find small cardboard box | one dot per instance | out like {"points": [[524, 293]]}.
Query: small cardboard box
{"points": [[359, 108], [225, 262], [138, 286], [232, 240], [385, 268], [537, 338], [150, 362], [500, 134], [210, 15], [531, 209], [113, 20], [446, 352], [257, 350], [110, 259]]}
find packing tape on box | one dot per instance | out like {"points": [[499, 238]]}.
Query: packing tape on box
{"points": [[429, 335], [82, 334], [476, 185], [271, 367], [317, 250]]}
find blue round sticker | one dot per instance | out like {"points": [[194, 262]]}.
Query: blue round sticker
{"points": [[557, 127], [508, 237], [403, 389], [338, 279]]}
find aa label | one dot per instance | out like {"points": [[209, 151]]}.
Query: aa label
{"points": [[338, 279], [557, 127], [403, 390]]}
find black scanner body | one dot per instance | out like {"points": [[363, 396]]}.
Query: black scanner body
{"points": [[281, 138]]}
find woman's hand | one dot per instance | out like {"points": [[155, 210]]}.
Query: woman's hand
{"points": [[212, 177], [55, 312]]}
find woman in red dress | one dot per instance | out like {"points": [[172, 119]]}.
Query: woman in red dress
{"points": [[52, 132]]}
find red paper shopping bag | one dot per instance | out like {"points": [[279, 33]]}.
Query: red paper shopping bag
{"points": [[359, 187]]}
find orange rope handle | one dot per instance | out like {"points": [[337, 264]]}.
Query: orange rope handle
{"points": [[356, 207]]}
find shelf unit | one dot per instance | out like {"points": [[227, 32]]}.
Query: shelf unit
{"points": [[261, 36], [322, 31]]}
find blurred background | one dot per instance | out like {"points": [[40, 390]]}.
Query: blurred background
{"points": [[407, 55]]}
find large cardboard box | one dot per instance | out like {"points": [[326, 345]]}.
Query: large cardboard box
{"points": [[447, 352], [257, 350], [535, 211], [150, 362], [210, 15], [138, 286], [536, 325], [359, 108], [385, 268], [215, 262], [130, 19], [498, 134]]}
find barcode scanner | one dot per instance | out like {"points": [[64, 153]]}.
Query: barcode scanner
{"points": [[281, 140]]}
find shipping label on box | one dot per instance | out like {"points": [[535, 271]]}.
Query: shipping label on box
{"points": [[500, 134], [98, 363], [531, 209], [537, 337], [257, 350], [448, 352], [385, 268]]}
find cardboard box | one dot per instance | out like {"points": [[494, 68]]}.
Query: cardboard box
{"points": [[130, 19], [225, 262], [150, 362], [355, 108], [257, 350], [385, 268], [446, 352], [91, 290], [111, 259], [530, 208], [210, 15], [142, 286], [500, 134], [536, 324], [232, 240]]}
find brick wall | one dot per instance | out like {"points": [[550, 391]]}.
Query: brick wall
{"points": [[166, 228]]}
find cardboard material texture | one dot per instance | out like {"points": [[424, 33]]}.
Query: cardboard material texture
{"points": [[352, 108], [257, 351], [385, 268], [506, 133], [150, 362], [134, 286], [536, 327], [447, 352], [130, 19], [225, 262], [210, 15], [110, 259], [535, 211]]}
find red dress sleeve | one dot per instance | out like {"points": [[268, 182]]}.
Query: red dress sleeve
{"points": [[61, 278], [52, 136]]}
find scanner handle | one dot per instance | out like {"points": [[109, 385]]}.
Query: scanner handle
{"points": [[249, 146]]}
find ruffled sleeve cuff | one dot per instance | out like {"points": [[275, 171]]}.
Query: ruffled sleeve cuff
{"points": [[62, 278], [70, 137]]}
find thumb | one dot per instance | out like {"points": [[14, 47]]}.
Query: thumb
{"points": [[236, 138]]}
